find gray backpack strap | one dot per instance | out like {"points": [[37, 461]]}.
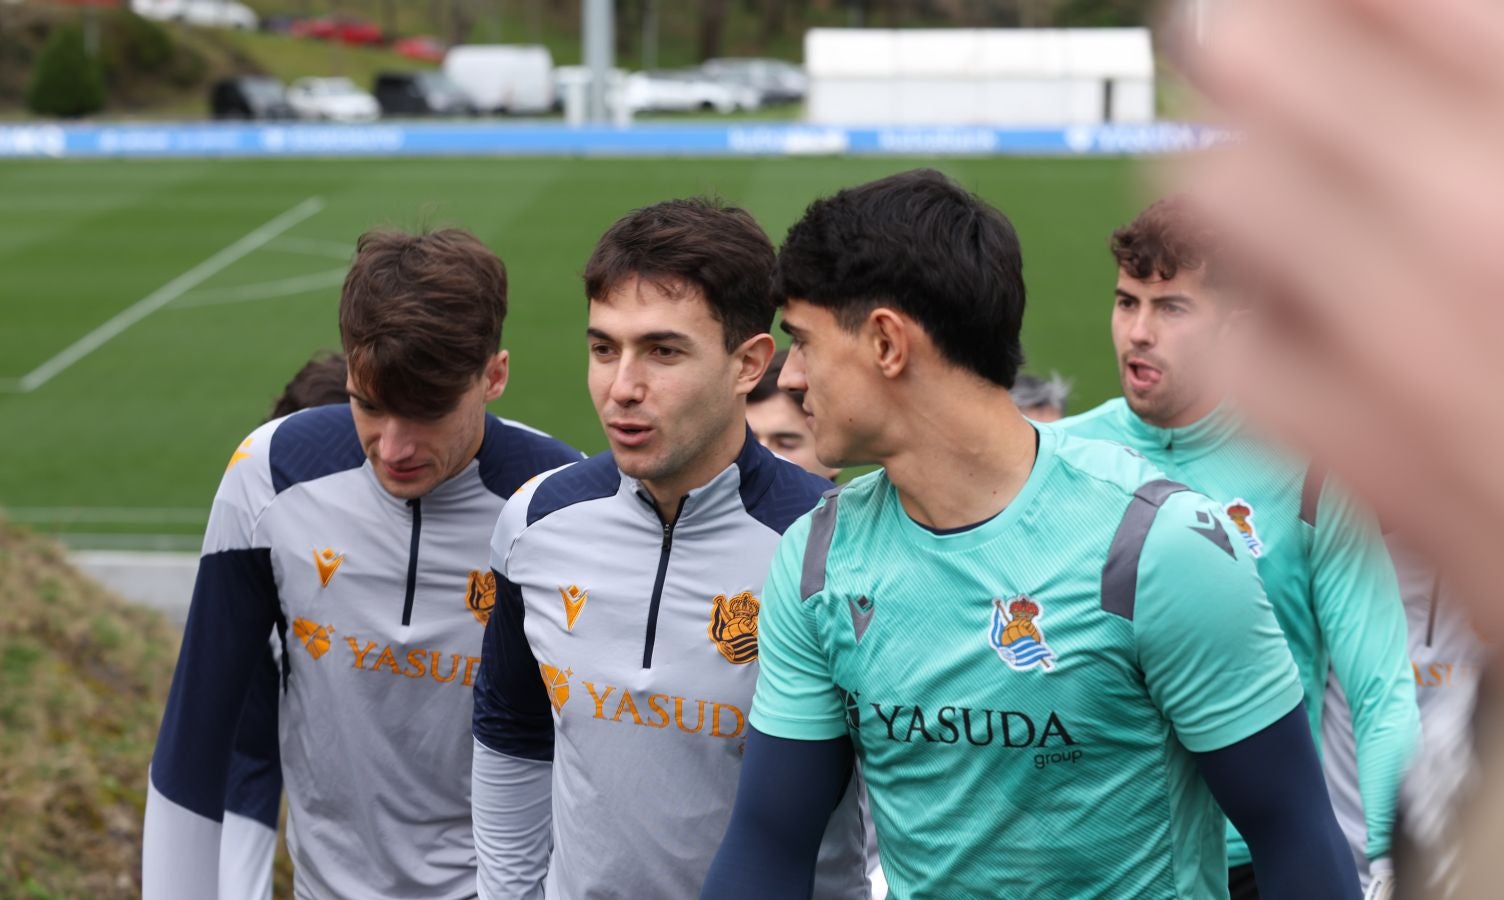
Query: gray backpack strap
{"points": [[1120, 574], [822, 529]]}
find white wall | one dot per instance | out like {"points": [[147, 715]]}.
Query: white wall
{"points": [[1042, 77]]}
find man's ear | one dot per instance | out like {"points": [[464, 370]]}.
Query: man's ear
{"points": [[890, 336], [497, 371], [751, 360]]}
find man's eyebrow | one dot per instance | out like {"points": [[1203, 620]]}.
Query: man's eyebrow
{"points": [[660, 336], [1172, 298], [651, 337], [1122, 293], [786, 328]]}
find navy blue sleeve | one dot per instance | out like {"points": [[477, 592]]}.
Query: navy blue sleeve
{"points": [[233, 610], [788, 790], [254, 789], [1271, 788], [511, 703]]}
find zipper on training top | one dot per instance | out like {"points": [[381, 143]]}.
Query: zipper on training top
{"points": [[412, 561], [668, 545]]}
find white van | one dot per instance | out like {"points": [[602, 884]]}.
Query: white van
{"points": [[508, 78]]}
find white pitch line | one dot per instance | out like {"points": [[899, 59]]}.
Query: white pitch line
{"points": [[167, 293], [267, 290]]}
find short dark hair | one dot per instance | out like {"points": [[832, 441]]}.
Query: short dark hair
{"points": [[767, 386], [700, 242], [1167, 238], [320, 382], [923, 245], [420, 316]]}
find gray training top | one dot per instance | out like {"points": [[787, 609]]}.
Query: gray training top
{"points": [[624, 649]]}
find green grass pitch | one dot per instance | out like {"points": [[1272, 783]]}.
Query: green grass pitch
{"points": [[132, 437]]}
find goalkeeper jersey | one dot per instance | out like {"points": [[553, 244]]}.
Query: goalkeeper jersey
{"points": [[381, 603], [1325, 570], [1025, 696]]}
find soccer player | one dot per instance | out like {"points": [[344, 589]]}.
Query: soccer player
{"points": [[320, 382], [1053, 663], [622, 652], [253, 789], [360, 531], [777, 420], [1039, 399], [1323, 563], [1446, 658]]}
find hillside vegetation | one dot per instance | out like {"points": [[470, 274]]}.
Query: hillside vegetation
{"points": [[83, 676]]}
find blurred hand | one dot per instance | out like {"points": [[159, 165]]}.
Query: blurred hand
{"points": [[1369, 194]]}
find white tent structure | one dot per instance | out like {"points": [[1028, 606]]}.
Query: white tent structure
{"points": [[954, 76]]}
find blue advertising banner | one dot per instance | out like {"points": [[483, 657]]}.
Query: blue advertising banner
{"points": [[199, 140]]}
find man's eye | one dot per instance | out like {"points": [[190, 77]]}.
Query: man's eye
{"points": [[665, 352], [787, 443]]}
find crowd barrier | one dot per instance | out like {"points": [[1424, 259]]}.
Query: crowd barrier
{"points": [[214, 139]]}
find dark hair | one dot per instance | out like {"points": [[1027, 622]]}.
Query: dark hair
{"points": [[1168, 237], [719, 249], [420, 316], [320, 382], [767, 386], [921, 244]]}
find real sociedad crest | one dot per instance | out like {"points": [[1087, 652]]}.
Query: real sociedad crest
{"points": [[1016, 636]]}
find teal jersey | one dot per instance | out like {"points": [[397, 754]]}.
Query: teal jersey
{"points": [[1325, 570], [1025, 696]]}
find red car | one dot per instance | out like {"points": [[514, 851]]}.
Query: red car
{"points": [[321, 28], [358, 32], [338, 28], [424, 48]]}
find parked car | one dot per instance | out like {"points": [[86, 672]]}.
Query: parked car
{"points": [[159, 10], [420, 94], [358, 32], [219, 14], [203, 13], [422, 47], [509, 78], [344, 29], [251, 97], [685, 90], [775, 80], [332, 99], [321, 28]]}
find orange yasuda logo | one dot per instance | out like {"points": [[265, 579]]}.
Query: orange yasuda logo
{"points": [[733, 627], [314, 636], [574, 601], [480, 596], [556, 682], [328, 563], [660, 711]]}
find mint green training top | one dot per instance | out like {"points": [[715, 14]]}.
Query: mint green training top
{"points": [[1025, 696], [1324, 568]]}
